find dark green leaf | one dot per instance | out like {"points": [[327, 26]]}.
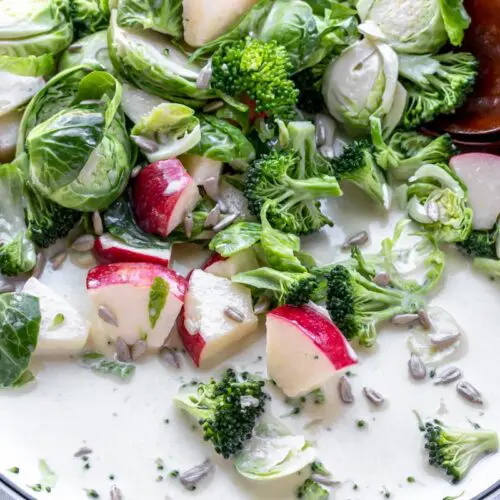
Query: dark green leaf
{"points": [[157, 299]]}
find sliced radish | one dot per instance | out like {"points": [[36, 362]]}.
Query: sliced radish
{"points": [[163, 193], [480, 172], [205, 327], [201, 169], [109, 249], [227, 267], [136, 300], [304, 349]]}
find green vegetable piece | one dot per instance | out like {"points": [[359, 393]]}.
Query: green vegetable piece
{"points": [[456, 20], [236, 238], [89, 16], [19, 331], [312, 490], [14, 470], [490, 267], [99, 363], [49, 477], [480, 244], [157, 299], [57, 321]]}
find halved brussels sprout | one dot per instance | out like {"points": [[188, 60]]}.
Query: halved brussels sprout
{"points": [[89, 16]]}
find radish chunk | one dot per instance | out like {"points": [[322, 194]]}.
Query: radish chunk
{"points": [[480, 172], [206, 325], [304, 349], [163, 194], [109, 249], [201, 168], [239, 262], [136, 301], [63, 330]]}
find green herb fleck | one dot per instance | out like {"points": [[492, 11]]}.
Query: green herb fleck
{"points": [[454, 498], [318, 397], [111, 477], [99, 363], [58, 320], [355, 487], [86, 466], [157, 299], [85, 458], [361, 424], [92, 493], [49, 477], [159, 479], [432, 373], [318, 468], [166, 421], [174, 473], [14, 470], [160, 464], [36, 487], [410, 479]]}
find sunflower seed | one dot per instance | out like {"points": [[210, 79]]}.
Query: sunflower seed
{"points": [[320, 132], [203, 80], [138, 349], [211, 187], [234, 314], [325, 481], [83, 243], [432, 210], [373, 396], [147, 145], [382, 279], [97, 223], [417, 367], [345, 390], [135, 171], [188, 225], [39, 266], [225, 222], [58, 260], [327, 152], [76, 47], [115, 493], [192, 477], [122, 351], [441, 340], [404, 319], [262, 305], [213, 106], [469, 392], [82, 452], [424, 319], [170, 356], [447, 376], [212, 217], [107, 316], [7, 288], [357, 240]]}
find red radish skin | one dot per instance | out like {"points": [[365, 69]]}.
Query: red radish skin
{"points": [[213, 259], [162, 194], [136, 274], [107, 250], [194, 344], [253, 115]]}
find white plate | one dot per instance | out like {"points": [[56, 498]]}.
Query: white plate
{"points": [[69, 407]]}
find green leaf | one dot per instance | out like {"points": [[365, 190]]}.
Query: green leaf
{"points": [[456, 20], [99, 363], [235, 238], [57, 321], [49, 477], [27, 66], [19, 328], [89, 16], [157, 299]]}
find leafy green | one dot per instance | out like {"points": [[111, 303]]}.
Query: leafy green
{"points": [[490, 267], [20, 319], [99, 363], [164, 16], [235, 238], [157, 299], [456, 20], [27, 66], [49, 477], [89, 16]]}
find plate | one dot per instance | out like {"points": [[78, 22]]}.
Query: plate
{"points": [[125, 423]]}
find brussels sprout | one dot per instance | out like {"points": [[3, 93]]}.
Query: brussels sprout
{"points": [[73, 140], [149, 61], [163, 16], [168, 131], [34, 27], [417, 26], [361, 83], [92, 49], [89, 16]]}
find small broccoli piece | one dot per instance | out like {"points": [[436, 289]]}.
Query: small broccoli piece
{"points": [[436, 84], [480, 244], [311, 490], [281, 287], [356, 304], [455, 451], [260, 70], [227, 410], [47, 221], [317, 467], [357, 164]]}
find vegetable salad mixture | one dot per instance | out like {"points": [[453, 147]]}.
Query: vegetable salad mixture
{"points": [[133, 126]]}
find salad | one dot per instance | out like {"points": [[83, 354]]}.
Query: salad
{"points": [[133, 128]]}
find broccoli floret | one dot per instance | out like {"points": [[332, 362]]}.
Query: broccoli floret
{"points": [[455, 451], [356, 304], [309, 83], [281, 287], [227, 410], [357, 165], [47, 221], [480, 244], [311, 490], [437, 84], [260, 70]]}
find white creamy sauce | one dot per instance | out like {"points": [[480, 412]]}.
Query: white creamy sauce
{"points": [[123, 423]]}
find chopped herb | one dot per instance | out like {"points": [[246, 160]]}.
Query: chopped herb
{"points": [[360, 423], [14, 470], [48, 489], [259, 358], [92, 493], [432, 373], [454, 498], [166, 421], [99, 363], [355, 486], [159, 479], [318, 468], [387, 494], [58, 320], [410, 479], [86, 466], [318, 397], [111, 477], [160, 464], [474, 424], [349, 373], [49, 478], [85, 458], [36, 487], [157, 299], [174, 473]]}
